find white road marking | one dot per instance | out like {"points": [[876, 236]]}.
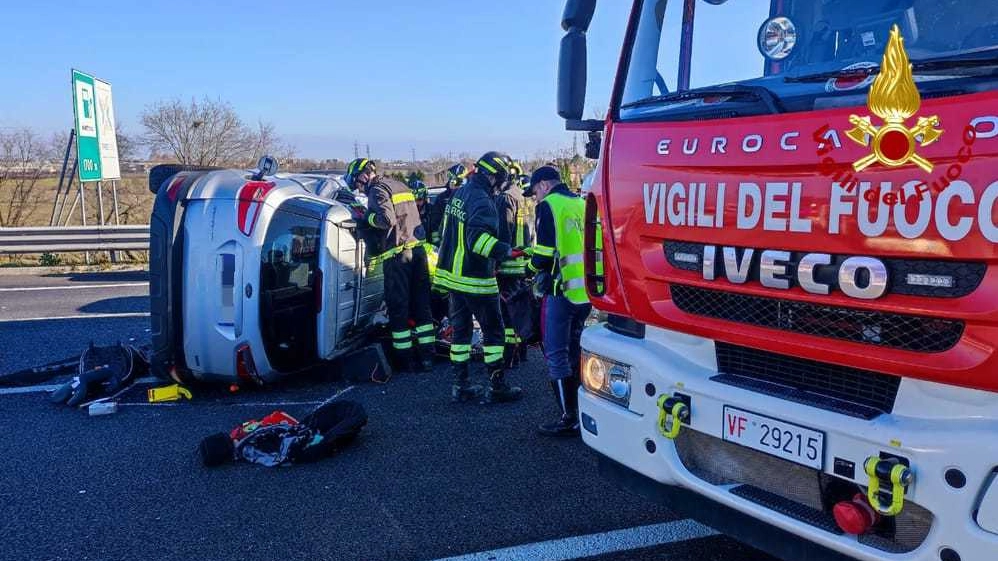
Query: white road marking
{"points": [[81, 316], [53, 387], [591, 545], [74, 287], [29, 389]]}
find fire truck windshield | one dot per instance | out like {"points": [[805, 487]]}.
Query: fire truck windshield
{"points": [[704, 59]]}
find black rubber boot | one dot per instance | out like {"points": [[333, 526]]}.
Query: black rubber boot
{"points": [[499, 390], [567, 395], [426, 362], [401, 360], [463, 390], [511, 356]]}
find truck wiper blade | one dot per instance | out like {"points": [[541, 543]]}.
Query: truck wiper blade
{"points": [[763, 94], [918, 67]]}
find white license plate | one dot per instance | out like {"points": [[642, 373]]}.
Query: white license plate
{"points": [[778, 438]]}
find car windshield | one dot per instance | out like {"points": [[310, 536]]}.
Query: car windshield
{"points": [[702, 59], [289, 262]]}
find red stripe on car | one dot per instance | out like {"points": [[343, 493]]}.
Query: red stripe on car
{"points": [[250, 201]]}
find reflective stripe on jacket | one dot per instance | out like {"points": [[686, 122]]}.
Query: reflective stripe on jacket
{"points": [[560, 242], [469, 246], [392, 211], [513, 228]]}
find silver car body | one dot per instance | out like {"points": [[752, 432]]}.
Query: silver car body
{"points": [[246, 285]]}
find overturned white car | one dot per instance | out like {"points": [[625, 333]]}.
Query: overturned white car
{"points": [[254, 275]]}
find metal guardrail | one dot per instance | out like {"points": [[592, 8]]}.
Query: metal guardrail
{"points": [[74, 239]]}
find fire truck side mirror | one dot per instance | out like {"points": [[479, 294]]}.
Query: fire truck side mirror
{"points": [[572, 66], [578, 14], [572, 75]]}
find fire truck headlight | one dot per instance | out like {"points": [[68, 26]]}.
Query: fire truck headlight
{"points": [[606, 378], [777, 38]]}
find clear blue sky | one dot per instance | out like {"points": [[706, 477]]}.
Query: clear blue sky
{"points": [[438, 75]]}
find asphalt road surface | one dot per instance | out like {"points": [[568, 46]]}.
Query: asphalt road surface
{"points": [[427, 479]]}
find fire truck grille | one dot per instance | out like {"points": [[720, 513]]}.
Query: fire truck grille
{"points": [[793, 490], [953, 279], [896, 331], [851, 391]]}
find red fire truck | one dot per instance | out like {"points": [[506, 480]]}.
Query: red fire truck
{"points": [[792, 229]]}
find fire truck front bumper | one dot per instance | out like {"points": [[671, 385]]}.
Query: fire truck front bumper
{"points": [[664, 418]]}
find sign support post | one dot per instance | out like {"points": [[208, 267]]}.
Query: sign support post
{"points": [[57, 207], [114, 198], [100, 203], [76, 201], [83, 215]]}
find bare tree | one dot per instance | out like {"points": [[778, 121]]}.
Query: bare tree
{"points": [[264, 141], [204, 133], [209, 132], [21, 155], [128, 145], [134, 202]]}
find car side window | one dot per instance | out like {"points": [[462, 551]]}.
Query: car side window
{"points": [[288, 272]]}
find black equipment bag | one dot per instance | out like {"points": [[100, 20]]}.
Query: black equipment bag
{"points": [[336, 424], [525, 312]]}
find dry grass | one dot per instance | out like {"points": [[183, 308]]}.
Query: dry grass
{"points": [[134, 202], [134, 206]]}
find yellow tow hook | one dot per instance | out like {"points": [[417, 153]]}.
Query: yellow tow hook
{"points": [[672, 413], [883, 472]]}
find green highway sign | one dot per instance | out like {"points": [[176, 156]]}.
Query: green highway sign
{"points": [[87, 143]]}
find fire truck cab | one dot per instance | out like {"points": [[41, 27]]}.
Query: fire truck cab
{"points": [[792, 228]]}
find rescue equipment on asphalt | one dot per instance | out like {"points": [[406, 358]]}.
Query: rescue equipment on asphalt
{"points": [[280, 439], [672, 413], [168, 393], [367, 364], [101, 372], [891, 473]]}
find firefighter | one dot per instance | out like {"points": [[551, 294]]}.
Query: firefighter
{"points": [[456, 175], [469, 250], [513, 230], [393, 214], [557, 260], [422, 194]]}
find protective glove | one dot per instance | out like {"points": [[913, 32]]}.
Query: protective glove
{"points": [[515, 253], [358, 212]]}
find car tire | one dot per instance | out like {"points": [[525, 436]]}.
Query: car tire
{"points": [[159, 174]]}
